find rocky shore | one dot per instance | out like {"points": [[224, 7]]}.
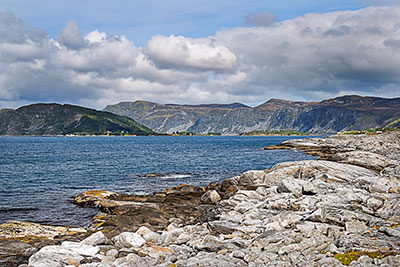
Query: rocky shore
{"points": [[342, 209]]}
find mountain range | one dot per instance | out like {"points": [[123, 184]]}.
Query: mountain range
{"points": [[56, 119], [349, 112], [148, 118]]}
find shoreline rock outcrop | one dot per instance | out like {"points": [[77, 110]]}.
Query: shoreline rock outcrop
{"points": [[342, 209]]}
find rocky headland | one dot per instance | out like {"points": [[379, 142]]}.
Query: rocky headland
{"points": [[341, 209]]}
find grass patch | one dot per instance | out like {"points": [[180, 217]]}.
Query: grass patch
{"points": [[282, 132], [369, 131], [353, 255]]}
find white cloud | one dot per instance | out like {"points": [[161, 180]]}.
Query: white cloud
{"points": [[96, 37], [198, 54], [307, 58]]}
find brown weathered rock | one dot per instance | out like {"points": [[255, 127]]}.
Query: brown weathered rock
{"points": [[19, 240], [17, 229], [15, 252]]}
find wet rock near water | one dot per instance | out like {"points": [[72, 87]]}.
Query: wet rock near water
{"points": [[187, 203]]}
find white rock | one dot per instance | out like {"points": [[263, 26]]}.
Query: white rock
{"points": [[108, 260], [95, 264], [249, 177], [262, 191], [128, 239], [95, 239], [131, 260], [148, 234], [276, 226], [112, 252], [84, 250], [172, 226], [170, 237], [390, 232], [294, 186], [143, 230], [305, 227], [374, 203], [40, 260], [210, 197], [355, 226], [318, 216], [54, 256], [152, 237], [249, 195], [183, 238]]}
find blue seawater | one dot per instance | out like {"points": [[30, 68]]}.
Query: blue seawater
{"points": [[39, 176]]}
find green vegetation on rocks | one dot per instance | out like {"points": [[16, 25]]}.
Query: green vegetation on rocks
{"points": [[283, 132], [56, 119], [369, 131], [353, 255]]}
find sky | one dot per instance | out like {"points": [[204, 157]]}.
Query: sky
{"points": [[97, 52]]}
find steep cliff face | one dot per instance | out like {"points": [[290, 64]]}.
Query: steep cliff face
{"points": [[55, 119], [332, 115]]}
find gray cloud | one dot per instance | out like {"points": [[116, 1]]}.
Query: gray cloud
{"points": [[392, 43], [260, 19], [71, 35], [307, 58]]}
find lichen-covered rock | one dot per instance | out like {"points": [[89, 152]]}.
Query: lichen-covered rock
{"points": [[17, 229]]}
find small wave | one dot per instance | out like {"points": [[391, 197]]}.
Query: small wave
{"points": [[175, 176], [163, 175]]}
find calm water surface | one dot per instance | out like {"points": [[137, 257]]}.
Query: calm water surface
{"points": [[40, 175]]}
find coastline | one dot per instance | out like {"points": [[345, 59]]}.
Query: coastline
{"points": [[295, 212], [202, 135]]}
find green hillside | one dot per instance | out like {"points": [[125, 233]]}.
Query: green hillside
{"points": [[56, 119]]}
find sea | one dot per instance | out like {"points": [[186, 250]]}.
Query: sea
{"points": [[39, 176]]}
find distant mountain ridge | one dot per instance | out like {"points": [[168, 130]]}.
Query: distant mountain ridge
{"points": [[349, 112], [233, 105], [56, 119]]}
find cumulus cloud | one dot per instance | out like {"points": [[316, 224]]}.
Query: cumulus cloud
{"points": [[178, 51], [260, 19], [96, 37], [307, 58]]}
